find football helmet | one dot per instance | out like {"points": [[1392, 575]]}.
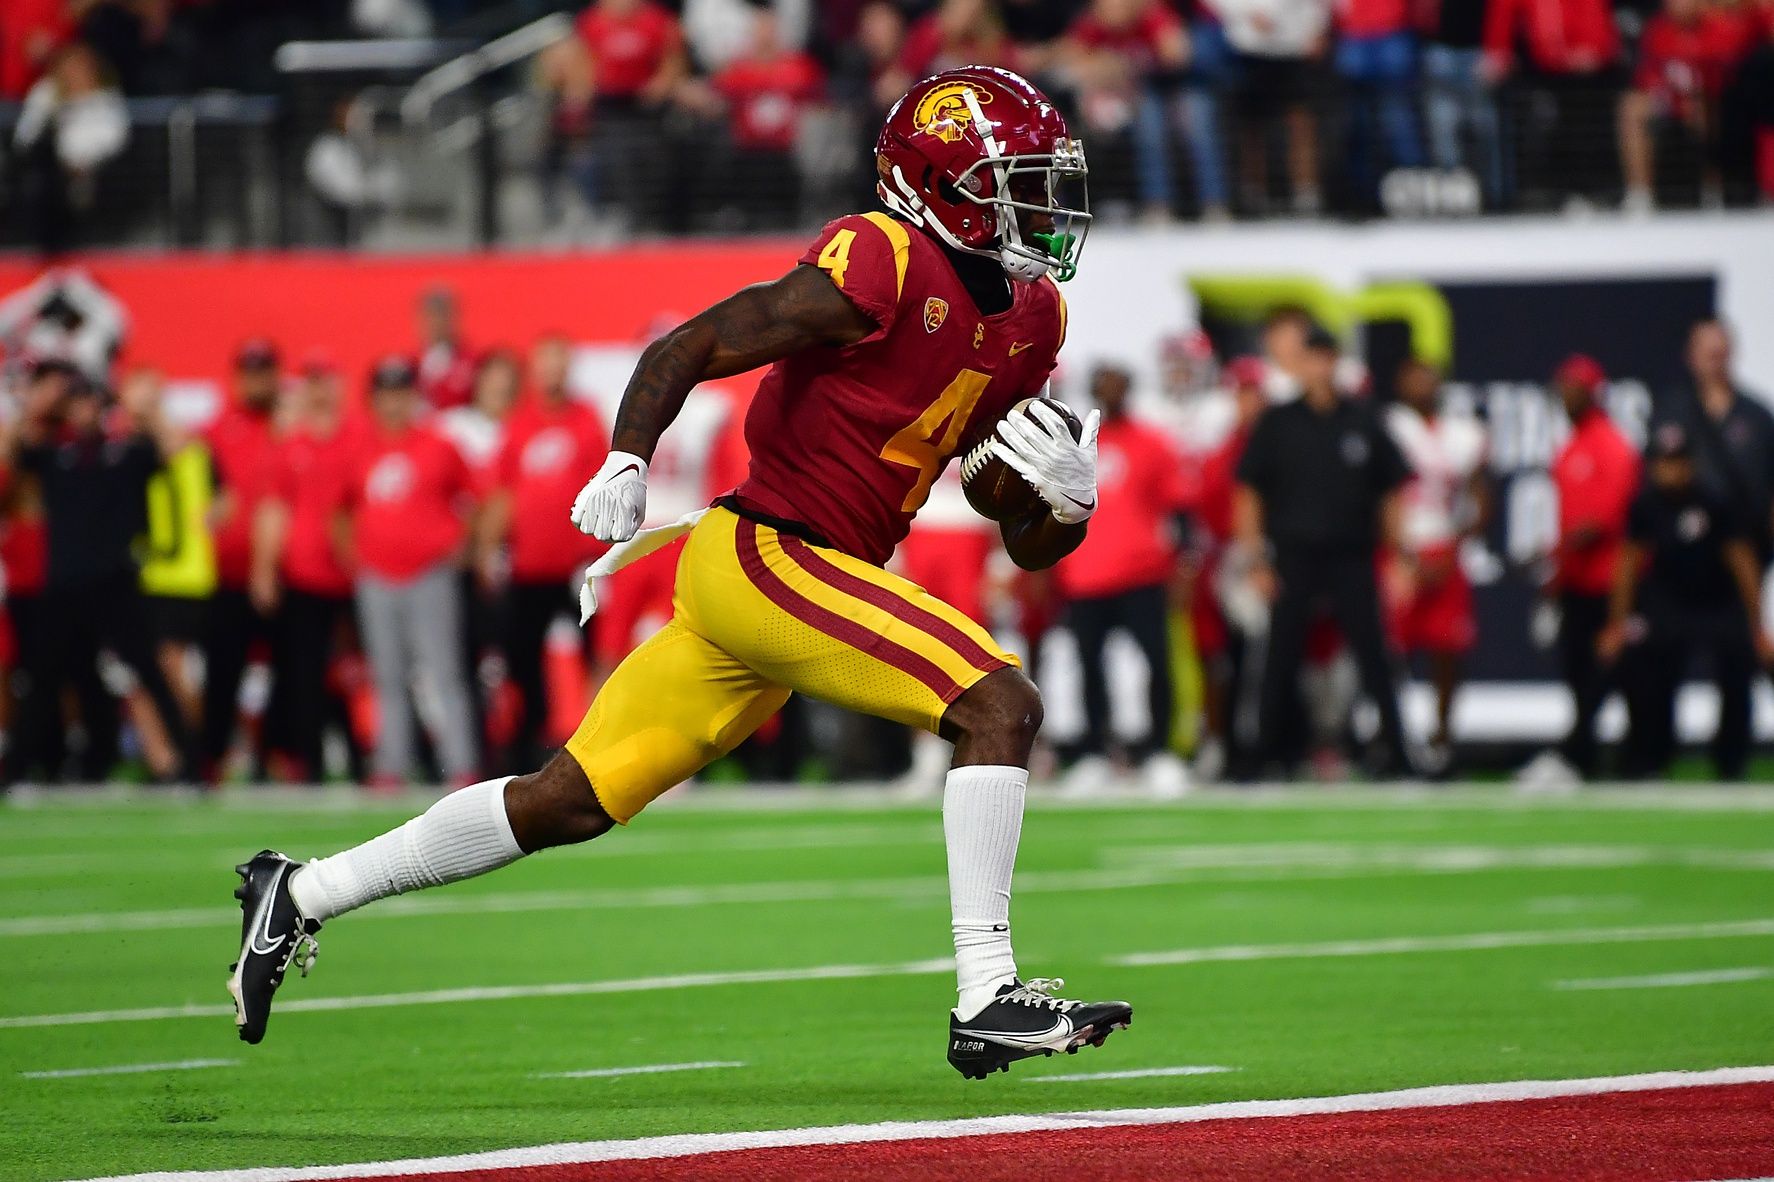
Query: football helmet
{"points": [[981, 159]]}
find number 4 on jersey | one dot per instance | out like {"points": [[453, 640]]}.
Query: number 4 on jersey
{"points": [[916, 446], [835, 258]]}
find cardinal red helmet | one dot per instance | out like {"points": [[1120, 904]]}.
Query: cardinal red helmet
{"points": [[978, 156]]}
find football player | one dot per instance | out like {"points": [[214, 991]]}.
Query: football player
{"points": [[898, 341]]}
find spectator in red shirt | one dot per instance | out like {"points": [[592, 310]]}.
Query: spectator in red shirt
{"points": [[446, 364], [1596, 474], [637, 64], [1129, 57], [1748, 114], [406, 499], [299, 571], [1120, 578], [1565, 38], [30, 30], [553, 440], [243, 442], [1686, 56], [767, 90], [1572, 64], [958, 33]]}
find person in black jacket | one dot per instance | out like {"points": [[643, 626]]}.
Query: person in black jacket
{"points": [[94, 488], [1729, 431], [1688, 582], [1316, 486]]}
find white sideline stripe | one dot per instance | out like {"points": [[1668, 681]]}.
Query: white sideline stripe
{"points": [[1469, 942], [129, 1069], [830, 972], [1667, 980], [1224, 952], [648, 1069], [688, 1144], [1139, 1073], [1156, 866]]}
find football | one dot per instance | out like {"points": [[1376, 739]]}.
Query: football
{"points": [[994, 488]]}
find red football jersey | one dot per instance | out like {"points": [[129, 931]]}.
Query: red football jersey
{"points": [[847, 441]]}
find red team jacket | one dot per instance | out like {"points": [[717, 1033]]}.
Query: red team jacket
{"points": [[1596, 473], [1140, 490], [847, 441]]}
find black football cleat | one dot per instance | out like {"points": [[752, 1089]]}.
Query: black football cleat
{"points": [[272, 934], [1026, 1019]]}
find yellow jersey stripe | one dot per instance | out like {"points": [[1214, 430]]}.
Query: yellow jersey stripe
{"points": [[897, 632], [902, 246], [1060, 296]]}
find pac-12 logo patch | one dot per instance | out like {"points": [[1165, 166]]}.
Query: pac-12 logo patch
{"points": [[936, 310]]}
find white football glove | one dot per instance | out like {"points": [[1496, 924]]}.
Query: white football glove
{"points": [[1038, 444], [612, 503]]}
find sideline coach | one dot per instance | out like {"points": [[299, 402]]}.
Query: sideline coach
{"points": [[1316, 487]]}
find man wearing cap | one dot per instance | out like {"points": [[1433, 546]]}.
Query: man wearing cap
{"points": [[1688, 581], [406, 504], [1596, 474], [243, 442], [1317, 485]]}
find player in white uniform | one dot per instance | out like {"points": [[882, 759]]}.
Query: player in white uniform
{"points": [[1429, 597]]}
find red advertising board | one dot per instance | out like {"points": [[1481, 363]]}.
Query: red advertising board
{"points": [[187, 313]]}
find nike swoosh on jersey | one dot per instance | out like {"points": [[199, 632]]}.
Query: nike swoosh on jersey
{"points": [[1018, 348]]}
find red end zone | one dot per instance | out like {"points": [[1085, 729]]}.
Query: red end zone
{"points": [[1677, 1133]]}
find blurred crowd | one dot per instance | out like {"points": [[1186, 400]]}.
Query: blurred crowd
{"points": [[373, 576], [1187, 104], [725, 114]]}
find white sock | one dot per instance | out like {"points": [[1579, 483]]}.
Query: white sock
{"points": [[982, 818], [464, 834]]}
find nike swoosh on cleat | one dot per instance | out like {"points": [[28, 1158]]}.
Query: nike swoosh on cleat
{"points": [[1059, 1028], [269, 947]]}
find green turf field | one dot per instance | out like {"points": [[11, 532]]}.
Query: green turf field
{"points": [[1618, 934]]}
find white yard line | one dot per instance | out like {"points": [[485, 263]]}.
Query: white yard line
{"points": [[1668, 980], [1579, 904], [860, 799], [1475, 941], [646, 1069], [129, 1069], [690, 1144], [1465, 942], [299, 1005], [1138, 1073], [1154, 867]]}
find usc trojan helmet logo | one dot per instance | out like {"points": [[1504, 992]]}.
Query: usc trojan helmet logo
{"points": [[945, 113]]}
